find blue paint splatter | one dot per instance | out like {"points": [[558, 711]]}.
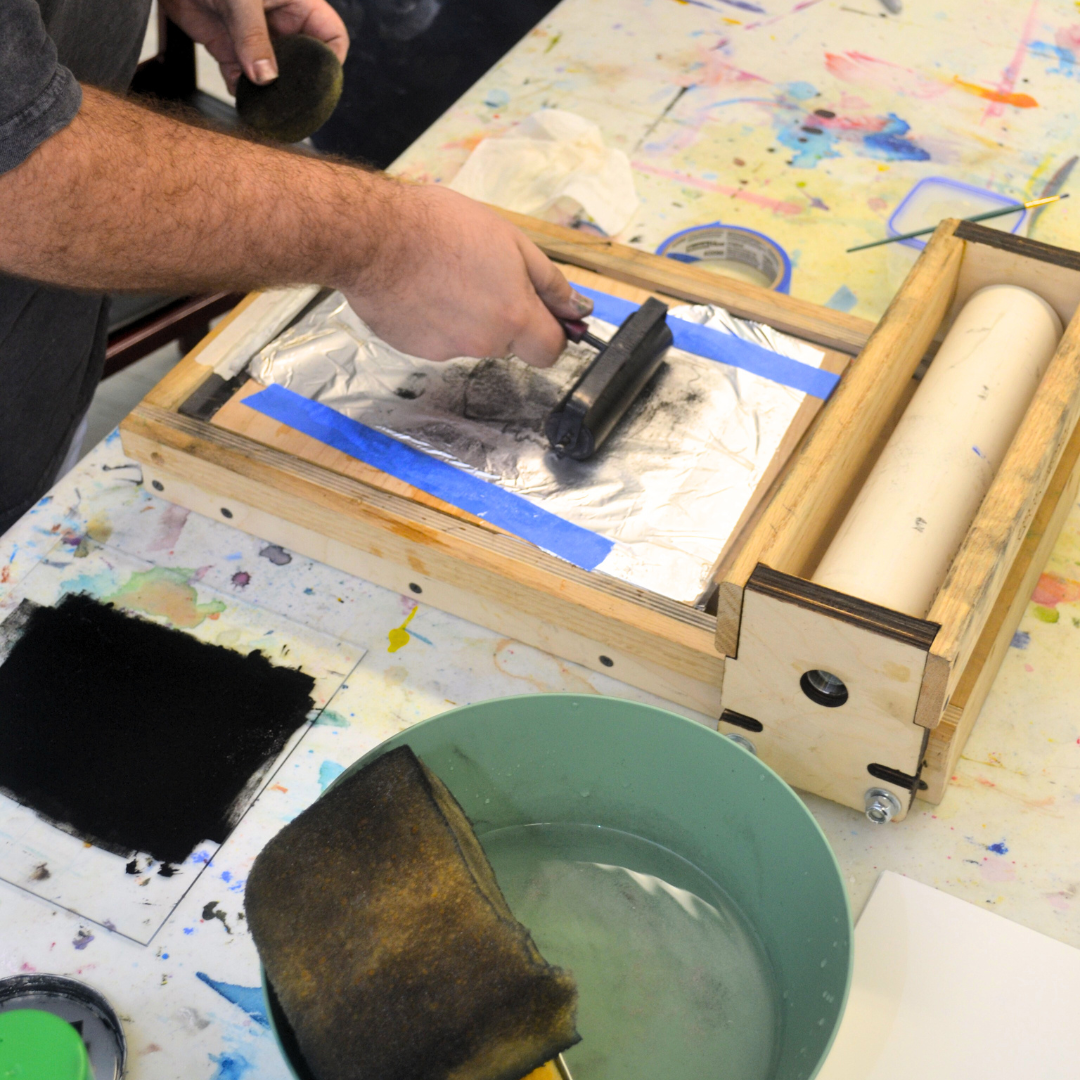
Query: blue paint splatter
{"points": [[420, 637], [309, 592], [889, 143], [329, 771], [998, 849], [496, 99], [1021, 639], [329, 718], [801, 91], [815, 137], [248, 998], [979, 453], [842, 300], [230, 1066], [189, 930], [1066, 58]]}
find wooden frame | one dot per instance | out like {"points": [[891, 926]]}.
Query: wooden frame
{"points": [[286, 488]]}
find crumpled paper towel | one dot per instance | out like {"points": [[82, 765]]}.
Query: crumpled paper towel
{"points": [[550, 159]]}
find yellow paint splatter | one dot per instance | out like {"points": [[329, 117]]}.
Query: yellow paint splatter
{"points": [[553, 42], [1045, 614], [167, 592], [400, 637]]}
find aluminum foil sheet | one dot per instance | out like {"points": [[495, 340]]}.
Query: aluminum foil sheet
{"points": [[669, 485]]}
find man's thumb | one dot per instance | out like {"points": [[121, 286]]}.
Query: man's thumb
{"points": [[246, 21]]}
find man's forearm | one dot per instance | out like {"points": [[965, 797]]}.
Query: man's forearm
{"points": [[124, 198]]}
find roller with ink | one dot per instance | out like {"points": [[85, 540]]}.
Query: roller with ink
{"points": [[586, 416]]}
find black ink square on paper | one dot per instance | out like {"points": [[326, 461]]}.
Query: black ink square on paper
{"points": [[134, 736]]}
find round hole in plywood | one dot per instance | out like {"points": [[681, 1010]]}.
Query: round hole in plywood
{"points": [[607, 661], [824, 688], [226, 512], [415, 588], [157, 485]]}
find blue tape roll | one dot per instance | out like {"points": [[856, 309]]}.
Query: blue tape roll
{"points": [[488, 501], [731, 243], [726, 348]]}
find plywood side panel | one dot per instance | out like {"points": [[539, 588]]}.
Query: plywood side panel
{"points": [[983, 265], [825, 750], [971, 588], [947, 740]]}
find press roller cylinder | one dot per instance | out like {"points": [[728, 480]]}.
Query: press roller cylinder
{"points": [[908, 521]]}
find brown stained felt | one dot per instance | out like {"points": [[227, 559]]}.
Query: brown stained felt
{"points": [[303, 96], [135, 736], [389, 943]]}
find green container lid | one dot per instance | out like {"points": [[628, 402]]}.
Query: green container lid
{"points": [[36, 1045]]}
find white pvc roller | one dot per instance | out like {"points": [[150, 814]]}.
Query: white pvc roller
{"points": [[908, 521]]}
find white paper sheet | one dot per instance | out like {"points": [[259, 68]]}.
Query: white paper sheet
{"points": [[943, 990]]}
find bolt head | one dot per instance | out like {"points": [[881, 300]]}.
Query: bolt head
{"points": [[743, 741], [881, 806]]}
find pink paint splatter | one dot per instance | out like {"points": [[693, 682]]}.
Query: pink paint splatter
{"points": [[1007, 83], [778, 206], [857, 67], [1053, 590], [1068, 37], [241, 578], [171, 525]]}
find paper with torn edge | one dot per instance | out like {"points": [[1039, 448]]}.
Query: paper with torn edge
{"points": [[945, 990], [667, 488], [552, 157]]}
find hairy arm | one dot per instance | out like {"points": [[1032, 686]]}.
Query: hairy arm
{"points": [[125, 199]]}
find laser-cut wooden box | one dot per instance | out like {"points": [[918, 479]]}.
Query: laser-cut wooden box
{"points": [[915, 686]]}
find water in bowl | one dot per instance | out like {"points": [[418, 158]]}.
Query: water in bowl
{"points": [[672, 980]]}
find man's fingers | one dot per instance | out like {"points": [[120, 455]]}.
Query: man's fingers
{"points": [[230, 72], [542, 341], [561, 299], [316, 18], [324, 23], [246, 22]]}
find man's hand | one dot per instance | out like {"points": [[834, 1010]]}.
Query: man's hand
{"points": [[126, 199], [455, 279], [236, 33]]}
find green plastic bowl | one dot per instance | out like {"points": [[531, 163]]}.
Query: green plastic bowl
{"points": [[565, 758]]}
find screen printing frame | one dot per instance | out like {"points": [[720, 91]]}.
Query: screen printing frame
{"points": [[278, 484]]}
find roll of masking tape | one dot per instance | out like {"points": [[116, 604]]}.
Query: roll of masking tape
{"points": [[732, 248]]}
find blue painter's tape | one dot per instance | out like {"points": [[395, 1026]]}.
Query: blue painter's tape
{"points": [[726, 348], [492, 503]]}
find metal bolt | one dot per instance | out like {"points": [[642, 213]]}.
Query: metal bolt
{"points": [[881, 806], [743, 741]]}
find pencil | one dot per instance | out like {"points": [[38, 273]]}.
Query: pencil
{"points": [[1015, 208]]}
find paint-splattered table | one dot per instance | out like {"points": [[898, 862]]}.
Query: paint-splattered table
{"points": [[806, 121]]}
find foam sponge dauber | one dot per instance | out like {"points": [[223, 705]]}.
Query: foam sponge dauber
{"points": [[300, 100], [389, 944]]}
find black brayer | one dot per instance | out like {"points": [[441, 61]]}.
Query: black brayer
{"points": [[586, 416]]}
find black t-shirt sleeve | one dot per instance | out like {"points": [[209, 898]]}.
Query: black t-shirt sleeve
{"points": [[38, 95]]}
